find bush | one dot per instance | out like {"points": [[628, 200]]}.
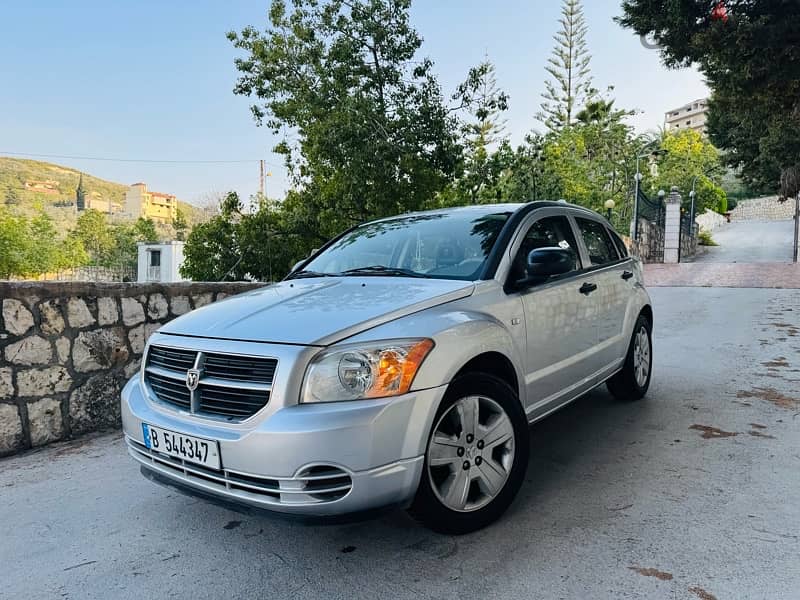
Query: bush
{"points": [[704, 238]]}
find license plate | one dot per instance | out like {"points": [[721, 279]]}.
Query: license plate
{"points": [[189, 448]]}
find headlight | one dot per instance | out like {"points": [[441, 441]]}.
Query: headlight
{"points": [[364, 371]]}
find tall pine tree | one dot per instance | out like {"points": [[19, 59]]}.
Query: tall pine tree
{"points": [[570, 85]]}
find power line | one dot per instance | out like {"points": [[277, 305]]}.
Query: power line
{"points": [[138, 160]]}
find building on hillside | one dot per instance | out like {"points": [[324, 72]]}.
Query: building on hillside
{"points": [[159, 262], [47, 186], [139, 202], [690, 116]]}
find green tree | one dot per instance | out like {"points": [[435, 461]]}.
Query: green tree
{"points": [[32, 246], [253, 246], [13, 244], [483, 165], [570, 85], [92, 230], [180, 224], [750, 56], [11, 196], [372, 136], [691, 156], [212, 251]]}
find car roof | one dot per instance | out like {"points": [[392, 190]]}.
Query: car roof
{"points": [[487, 209]]}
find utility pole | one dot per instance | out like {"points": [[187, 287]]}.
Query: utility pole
{"points": [[261, 177]]}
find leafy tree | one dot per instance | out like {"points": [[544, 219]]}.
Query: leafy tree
{"points": [[211, 252], [690, 156], [528, 177], [145, 230], [482, 167], [180, 224], [32, 246], [92, 230], [570, 85], [12, 244], [749, 53], [370, 133], [11, 197]]}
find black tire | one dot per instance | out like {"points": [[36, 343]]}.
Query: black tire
{"points": [[427, 508], [623, 385]]}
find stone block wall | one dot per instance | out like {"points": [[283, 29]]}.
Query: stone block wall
{"points": [[763, 209], [709, 220], [67, 348]]}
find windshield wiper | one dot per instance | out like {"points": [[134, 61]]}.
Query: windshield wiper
{"points": [[384, 270], [308, 274]]}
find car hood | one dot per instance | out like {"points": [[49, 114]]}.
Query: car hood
{"points": [[317, 311]]}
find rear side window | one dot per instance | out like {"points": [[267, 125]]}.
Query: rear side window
{"points": [[598, 242], [623, 250]]}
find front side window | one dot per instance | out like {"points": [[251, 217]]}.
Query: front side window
{"points": [[598, 242], [452, 245], [548, 232]]}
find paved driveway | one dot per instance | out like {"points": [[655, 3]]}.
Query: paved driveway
{"points": [[692, 491], [750, 242]]}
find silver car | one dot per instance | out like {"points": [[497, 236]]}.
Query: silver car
{"points": [[400, 365]]}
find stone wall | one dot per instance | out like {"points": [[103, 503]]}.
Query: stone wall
{"points": [[67, 348], [710, 220], [650, 247], [763, 209]]}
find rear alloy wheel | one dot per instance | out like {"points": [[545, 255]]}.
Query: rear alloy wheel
{"points": [[632, 382], [476, 456]]}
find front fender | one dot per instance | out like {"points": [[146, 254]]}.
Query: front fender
{"points": [[459, 335]]}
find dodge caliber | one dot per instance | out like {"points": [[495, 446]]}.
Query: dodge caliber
{"points": [[399, 365]]}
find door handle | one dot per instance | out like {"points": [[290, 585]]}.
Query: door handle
{"points": [[587, 288], [627, 275]]}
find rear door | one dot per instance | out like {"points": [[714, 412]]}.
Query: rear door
{"points": [[610, 272]]}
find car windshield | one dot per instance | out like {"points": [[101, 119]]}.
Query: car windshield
{"points": [[451, 245]]}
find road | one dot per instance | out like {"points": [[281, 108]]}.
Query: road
{"points": [[692, 491], [751, 241]]}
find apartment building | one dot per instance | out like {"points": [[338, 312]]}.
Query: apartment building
{"points": [[140, 202], [690, 116]]}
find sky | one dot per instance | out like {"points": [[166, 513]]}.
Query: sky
{"points": [[153, 79]]}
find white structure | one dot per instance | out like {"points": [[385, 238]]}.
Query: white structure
{"points": [[690, 116], [160, 262]]}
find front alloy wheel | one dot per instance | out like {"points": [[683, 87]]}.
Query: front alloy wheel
{"points": [[476, 456], [470, 453]]}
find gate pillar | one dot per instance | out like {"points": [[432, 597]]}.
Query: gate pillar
{"points": [[672, 227]]}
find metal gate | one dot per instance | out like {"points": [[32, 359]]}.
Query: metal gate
{"points": [[650, 228], [687, 243]]}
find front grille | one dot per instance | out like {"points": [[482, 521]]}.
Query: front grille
{"points": [[231, 386], [170, 390], [239, 368], [230, 401], [171, 358], [313, 485]]}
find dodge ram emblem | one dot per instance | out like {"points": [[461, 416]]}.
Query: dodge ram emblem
{"points": [[192, 379]]}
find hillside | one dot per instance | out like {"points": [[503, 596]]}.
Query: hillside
{"points": [[27, 184]]}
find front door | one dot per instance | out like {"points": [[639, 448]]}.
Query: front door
{"points": [[558, 319]]}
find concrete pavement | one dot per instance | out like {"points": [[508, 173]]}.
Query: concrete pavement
{"points": [[691, 493], [750, 242]]}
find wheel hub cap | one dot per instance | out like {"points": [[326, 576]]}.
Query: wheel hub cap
{"points": [[470, 453]]}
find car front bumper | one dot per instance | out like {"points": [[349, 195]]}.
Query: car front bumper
{"points": [[314, 460]]}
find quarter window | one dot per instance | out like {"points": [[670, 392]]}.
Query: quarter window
{"points": [[601, 249], [548, 232]]}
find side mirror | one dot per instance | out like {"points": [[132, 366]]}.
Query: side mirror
{"points": [[546, 262]]}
